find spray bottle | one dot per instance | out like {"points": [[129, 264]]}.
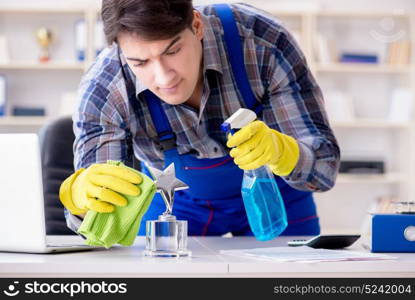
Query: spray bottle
{"points": [[262, 199]]}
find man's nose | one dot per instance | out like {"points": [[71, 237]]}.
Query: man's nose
{"points": [[164, 75]]}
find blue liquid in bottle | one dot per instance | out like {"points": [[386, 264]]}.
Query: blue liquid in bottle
{"points": [[263, 204], [262, 199]]}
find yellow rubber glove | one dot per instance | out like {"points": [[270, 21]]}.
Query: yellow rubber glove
{"points": [[256, 145], [97, 188]]}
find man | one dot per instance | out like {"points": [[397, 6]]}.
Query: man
{"points": [[162, 89]]}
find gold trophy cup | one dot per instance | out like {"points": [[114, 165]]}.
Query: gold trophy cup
{"points": [[44, 39]]}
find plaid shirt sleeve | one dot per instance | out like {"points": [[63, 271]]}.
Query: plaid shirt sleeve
{"points": [[298, 103], [101, 122]]}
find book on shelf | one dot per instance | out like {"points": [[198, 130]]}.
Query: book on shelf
{"points": [[339, 106], [355, 57], [80, 39], [99, 42], [362, 166], [400, 109], [3, 95], [28, 111], [398, 52], [4, 50], [325, 49]]}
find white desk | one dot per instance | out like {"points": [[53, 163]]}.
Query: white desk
{"points": [[205, 262]]}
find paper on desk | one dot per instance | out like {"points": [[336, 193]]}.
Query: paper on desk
{"points": [[304, 254]]}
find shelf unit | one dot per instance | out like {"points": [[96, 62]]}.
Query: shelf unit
{"points": [[361, 68], [24, 121], [22, 70], [368, 123], [306, 24], [354, 193], [43, 66], [370, 178], [364, 133]]}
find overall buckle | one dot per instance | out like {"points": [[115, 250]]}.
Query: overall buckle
{"points": [[167, 141]]}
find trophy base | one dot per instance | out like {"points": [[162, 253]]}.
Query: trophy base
{"points": [[166, 237], [44, 59], [163, 253]]}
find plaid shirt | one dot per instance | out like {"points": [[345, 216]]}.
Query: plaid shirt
{"points": [[112, 121]]}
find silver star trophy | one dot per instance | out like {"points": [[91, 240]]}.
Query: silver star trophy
{"points": [[167, 236]]}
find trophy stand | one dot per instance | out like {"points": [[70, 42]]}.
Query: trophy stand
{"points": [[167, 236]]}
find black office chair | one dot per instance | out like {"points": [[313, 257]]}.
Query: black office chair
{"points": [[56, 140]]}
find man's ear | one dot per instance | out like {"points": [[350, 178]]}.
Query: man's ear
{"points": [[197, 24]]}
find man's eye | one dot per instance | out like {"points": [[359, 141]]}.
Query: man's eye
{"points": [[139, 64], [173, 52]]}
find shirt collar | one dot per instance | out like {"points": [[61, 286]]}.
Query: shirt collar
{"points": [[139, 87], [211, 55]]}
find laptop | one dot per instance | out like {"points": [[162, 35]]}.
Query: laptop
{"points": [[22, 210]]}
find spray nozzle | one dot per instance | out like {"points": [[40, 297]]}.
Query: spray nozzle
{"points": [[239, 119]]}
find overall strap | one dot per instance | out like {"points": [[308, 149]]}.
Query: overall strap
{"points": [[165, 133], [236, 56]]}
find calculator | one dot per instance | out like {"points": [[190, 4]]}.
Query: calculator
{"points": [[327, 241]]}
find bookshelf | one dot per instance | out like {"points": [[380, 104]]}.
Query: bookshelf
{"points": [[393, 141], [361, 68], [370, 86], [25, 75], [362, 123], [355, 179], [23, 121], [48, 66]]}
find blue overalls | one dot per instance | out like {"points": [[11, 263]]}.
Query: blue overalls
{"points": [[213, 203]]}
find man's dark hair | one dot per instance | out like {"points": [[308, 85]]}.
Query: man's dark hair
{"points": [[149, 19]]}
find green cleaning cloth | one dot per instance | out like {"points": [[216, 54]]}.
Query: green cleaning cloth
{"points": [[121, 226]]}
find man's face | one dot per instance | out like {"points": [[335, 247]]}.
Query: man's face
{"points": [[169, 68]]}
